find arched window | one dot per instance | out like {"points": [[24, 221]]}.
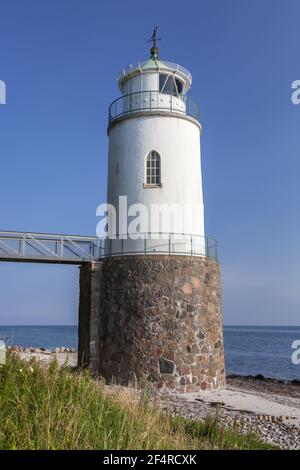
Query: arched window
{"points": [[153, 169]]}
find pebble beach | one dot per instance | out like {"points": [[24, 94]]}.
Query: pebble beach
{"points": [[268, 407]]}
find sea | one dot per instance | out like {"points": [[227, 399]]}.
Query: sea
{"points": [[249, 350]]}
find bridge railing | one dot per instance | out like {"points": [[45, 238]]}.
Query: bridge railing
{"points": [[44, 247]]}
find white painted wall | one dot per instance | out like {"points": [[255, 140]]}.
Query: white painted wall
{"points": [[177, 140], [150, 101], [142, 82]]}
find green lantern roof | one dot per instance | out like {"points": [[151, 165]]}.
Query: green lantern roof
{"points": [[154, 62]]}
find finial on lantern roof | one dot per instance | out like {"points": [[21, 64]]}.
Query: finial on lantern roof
{"points": [[154, 38]]}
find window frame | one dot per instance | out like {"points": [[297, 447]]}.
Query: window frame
{"points": [[152, 178], [167, 77]]}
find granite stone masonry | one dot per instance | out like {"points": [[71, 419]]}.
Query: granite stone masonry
{"points": [[153, 319]]}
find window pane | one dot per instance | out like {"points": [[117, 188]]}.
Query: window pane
{"points": [[179, 85], [166, 84], [162, 79]]}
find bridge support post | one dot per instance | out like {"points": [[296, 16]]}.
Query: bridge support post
{"points": [[89, 315]]}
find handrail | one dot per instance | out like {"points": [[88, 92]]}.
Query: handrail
{"points": [[69, 249], [163, 64], [49, 247], [153, 100], [167, 243], [15, 233]]}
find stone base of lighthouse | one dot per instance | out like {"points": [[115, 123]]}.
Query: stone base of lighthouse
{"points": [[153, 319]]}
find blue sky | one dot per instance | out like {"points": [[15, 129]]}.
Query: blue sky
{"points": [[60, 60]]}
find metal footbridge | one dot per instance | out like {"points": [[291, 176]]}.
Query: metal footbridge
{"points": [[49, 248]]}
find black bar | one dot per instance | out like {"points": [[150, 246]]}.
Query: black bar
{"points": [[133, 459]]}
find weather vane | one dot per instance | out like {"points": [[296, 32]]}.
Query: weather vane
{"points": [[154, 38]]}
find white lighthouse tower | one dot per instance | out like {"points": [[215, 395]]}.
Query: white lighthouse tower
{"points": [[150, 308], [154, 159]]}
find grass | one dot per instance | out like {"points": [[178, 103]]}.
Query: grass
{"points": [[58, 409]]}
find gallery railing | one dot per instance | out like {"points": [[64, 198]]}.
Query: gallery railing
{"points": [[165, 64], [160, 243], [76, 249], [153, 101]]}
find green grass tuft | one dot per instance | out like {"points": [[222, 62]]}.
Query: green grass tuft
{"points": [[55, 408]]}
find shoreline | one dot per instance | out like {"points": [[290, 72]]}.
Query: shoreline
{"points": [[231, 378], [268, 407]]}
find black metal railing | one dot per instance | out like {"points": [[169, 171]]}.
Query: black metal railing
{"points": [[158, 243], [153, 101]]}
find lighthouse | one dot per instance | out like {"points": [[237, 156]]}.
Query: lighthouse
{"points": [[150, 308], [154, 157]]}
